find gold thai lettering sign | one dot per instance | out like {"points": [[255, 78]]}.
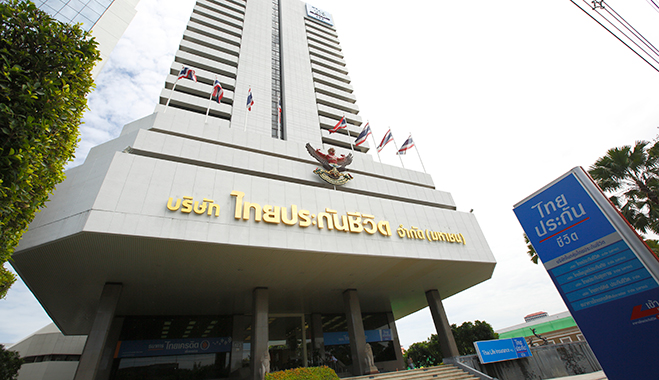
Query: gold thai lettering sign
{"points": [[353, 222]]}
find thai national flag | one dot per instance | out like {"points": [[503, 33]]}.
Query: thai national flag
{"points": [[279, 110], [387, 137], [187, 73], [218, 92], [340, 125], [250, 100], [363, 135], [407, 145]]}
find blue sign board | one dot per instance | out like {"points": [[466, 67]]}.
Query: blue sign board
{"points": [[166, 347], [342, 337], [490, 351], [603, 271]]}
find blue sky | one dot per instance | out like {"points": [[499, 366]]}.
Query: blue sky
{"points": [[501, 98]]}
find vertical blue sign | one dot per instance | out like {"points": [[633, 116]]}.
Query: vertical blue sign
{"points": [[603, 271]]}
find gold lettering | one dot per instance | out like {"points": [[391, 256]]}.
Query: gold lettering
{"points": [[200, 208], [284, 216], [384, 228], [239, 202], [212, 206], [271, 215], [187, 205], [247, 208], [354, 220], [305, 220], [368, 219], [344, 219], [328, 217], [175, 207]]}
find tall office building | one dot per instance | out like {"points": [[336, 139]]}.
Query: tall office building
{"points": [[106, 19], [203, 239]]}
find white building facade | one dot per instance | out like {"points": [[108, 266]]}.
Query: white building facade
{"points": [[201, 241], [106, 19]]}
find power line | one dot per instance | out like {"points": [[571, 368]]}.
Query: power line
{"points": [[645, 55]]}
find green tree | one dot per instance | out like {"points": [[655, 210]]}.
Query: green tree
{"points": [[468, 333], [530, 250], [10, 363], [425, 354], [46, 74], [631, 174], [429, 352]]}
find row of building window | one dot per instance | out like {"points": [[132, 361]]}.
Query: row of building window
{"points": [[86, 12], [51, 358]]}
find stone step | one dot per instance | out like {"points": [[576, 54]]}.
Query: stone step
{"points": [[442, 372]]}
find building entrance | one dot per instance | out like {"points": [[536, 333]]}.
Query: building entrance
{"points": [[289, 343]]}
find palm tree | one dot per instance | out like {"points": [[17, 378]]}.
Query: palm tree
{"points": [[530, 250], [632, 175]]}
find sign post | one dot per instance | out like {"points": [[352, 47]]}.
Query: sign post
{"points": [[605, 273]]}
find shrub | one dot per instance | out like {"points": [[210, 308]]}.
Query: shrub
{"points": [[309, 373]]}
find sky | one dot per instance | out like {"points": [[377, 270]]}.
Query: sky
{"points": [[501, 98]]}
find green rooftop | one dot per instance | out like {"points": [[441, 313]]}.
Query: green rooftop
{"points": [[540, 328]]}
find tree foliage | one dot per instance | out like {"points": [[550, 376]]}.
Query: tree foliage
{"points": [[425, 354], [467, 333], [429, 352], [530, 250], [631, 175], [46, 74], [10, 363]]}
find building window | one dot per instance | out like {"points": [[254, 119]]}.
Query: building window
{"points": [[566, 339], [51, 358]]}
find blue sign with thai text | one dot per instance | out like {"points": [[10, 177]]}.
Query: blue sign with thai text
{"points": [[490, 351], [166, 347], [342, 337], [584, 244]]}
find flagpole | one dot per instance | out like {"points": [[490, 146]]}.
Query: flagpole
{"points": [[396, 145], [419, 154], [375, 144], [245, 126], [170, 96], [350, 138], [210, 99]]}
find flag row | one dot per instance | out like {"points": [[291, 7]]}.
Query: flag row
{"points": [[366, 131], [218, 92]]}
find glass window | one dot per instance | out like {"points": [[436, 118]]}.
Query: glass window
{"points": [[189, 367], [90, 14], [86, 23], [55, 5], [62, 18], [77, 5], [97, 7], [67, 13]]}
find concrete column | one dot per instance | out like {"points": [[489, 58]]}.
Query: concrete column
{"points": [[240, 323], [446, 339], [259, 331], [317, 339], [400, 363], [105, 367], [355, 331], [91, 354]]}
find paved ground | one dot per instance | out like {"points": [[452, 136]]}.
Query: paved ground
{"points": [[599, 375]]}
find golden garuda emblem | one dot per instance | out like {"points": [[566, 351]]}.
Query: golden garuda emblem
{"points": [[333, 166]]}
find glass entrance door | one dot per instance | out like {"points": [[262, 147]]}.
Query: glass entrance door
{"points": [[288, 342]]}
